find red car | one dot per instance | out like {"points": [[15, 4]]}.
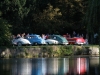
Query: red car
{"points": [[76, 40]]}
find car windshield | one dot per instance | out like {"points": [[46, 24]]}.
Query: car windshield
{"points": [[63, 38], [18, 37], [35, 36], [32, 36]]}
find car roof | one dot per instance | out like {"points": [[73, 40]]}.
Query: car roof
{"points": [[56, 35], [34, 35]]}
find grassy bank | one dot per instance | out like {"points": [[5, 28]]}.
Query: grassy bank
{"points": [[44, 51]]}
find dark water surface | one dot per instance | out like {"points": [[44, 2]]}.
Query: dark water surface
{"points": [[51, 66]]}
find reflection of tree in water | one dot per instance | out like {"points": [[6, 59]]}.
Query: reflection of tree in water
{"points": [[94, 66], [96, 71], [5, 66]]}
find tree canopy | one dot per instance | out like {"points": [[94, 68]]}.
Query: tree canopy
{"points": [[51, 16], [92, 18], [30, 15], [5, 34]]}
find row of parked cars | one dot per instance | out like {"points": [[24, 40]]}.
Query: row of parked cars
{"points": [[35, 39]]}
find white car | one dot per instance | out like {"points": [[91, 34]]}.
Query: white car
{"points": [[19, 41], [51, 41]]}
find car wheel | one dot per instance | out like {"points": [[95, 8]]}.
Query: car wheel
{"points": [[19, 44], [35, 43], [47, 43], [55, 43], [13, 45]]}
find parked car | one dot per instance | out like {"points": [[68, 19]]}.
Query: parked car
{"points": [[51, 41], [19, 41], [36, 39], [61, 40], [76, 40]]}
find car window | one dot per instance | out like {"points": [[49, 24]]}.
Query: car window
{"points": [[51, 37], [39, 36], [59, 39], [17, 37], [32, 36], [54, 37]]}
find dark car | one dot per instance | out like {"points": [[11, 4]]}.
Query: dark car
{"points": [[59, 38]]}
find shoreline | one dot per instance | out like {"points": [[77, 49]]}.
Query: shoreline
{"points": [[48, 51]]}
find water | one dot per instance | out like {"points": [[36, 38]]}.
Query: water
{"points": [[51, 66]]}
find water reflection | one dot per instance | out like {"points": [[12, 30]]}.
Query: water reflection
{"points": [[95, 65], [50, 66], [22, 67]]}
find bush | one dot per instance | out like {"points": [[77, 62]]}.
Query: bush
{"points": [[5, 34]]}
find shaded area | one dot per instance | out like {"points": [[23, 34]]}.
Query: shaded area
{"points": [[50, 66]]}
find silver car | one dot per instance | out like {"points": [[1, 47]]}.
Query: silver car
{"points": [[19, 41], [51, 41]]}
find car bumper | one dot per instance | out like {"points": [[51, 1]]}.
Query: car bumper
{"points": [[79, 43], [64, 43]]}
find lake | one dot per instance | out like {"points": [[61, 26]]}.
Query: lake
{"points": [[76, 65]]}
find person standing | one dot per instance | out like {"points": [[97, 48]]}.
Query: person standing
{"points": [[74, 34]]}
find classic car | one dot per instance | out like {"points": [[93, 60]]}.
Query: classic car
{"points": [[51, 41], [19, 41], [61, 40], [76, 40], [36, 39]]}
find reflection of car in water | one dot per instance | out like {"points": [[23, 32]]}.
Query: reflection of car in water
{"points": [[76, 40], [22, 67], [19, 41], [59, 38], [36, 39]]}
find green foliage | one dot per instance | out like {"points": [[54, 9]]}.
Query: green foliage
{"points": [[57, 51], [92, 18], [47, 16], [65, 51], [61, 16], [14, 12], [5, 35]]}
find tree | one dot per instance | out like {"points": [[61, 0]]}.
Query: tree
{"points": [[5, 34], [92, 19], [14, 11], [46, 21], [72, 13], [36, 16]]}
